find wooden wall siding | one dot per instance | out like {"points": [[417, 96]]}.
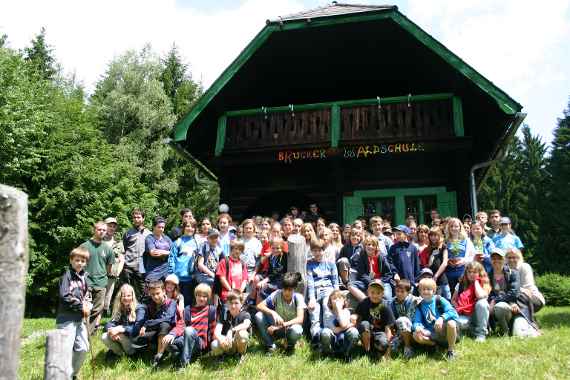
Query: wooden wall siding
{"points": [[433, 119], [278, 129]]}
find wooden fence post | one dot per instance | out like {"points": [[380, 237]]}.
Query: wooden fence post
{"points": [[57, 360], [13, 269], [297, 258]]}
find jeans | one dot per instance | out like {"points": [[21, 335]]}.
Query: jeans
{"points": [[292, 333], [121, 347], [185, 346], [318, 315], [77, 344], [339, 343], [476, 322], [134, 279], [444, 291]]}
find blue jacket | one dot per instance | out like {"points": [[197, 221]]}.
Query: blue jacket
{"points": [[131, 328], [403, 257], [155, 315], [182, 257], [428, 312]]}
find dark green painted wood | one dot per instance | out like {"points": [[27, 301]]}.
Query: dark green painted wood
{"points": [[458, 117], [335, 125], [221, 136]]}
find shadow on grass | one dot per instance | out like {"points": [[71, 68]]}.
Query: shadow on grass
{"points": [[554, 319]]}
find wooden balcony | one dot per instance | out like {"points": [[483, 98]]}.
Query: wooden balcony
{"points": [[411, 118]]}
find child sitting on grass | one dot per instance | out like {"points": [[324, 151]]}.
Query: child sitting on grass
{"points": [[281, 315], [192, 334], [125, 324], [435, 320], [375, 320], [276, 270], [73, 310], [404, 309], [233, 329], [339, 334]]}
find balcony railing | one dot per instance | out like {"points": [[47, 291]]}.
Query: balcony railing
{"points": [[330, 124]]}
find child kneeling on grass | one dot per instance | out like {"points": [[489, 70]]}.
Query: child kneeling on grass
{"points": [[375, 320], [339, 334], [125, 324], [232, 331], [435, 320], [73, 309], [193, 332], [281, 315], [404, 309]]}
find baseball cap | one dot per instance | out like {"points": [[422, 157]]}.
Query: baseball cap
{"points": [[424, 273], [111, 220], [172, 278], [376, 282], [498, 251], [402, 228], [505, 220], [213, 232]]}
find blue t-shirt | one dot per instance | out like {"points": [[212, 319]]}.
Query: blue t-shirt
{"points": [[156, 267], [181, 260], [506, 241]]}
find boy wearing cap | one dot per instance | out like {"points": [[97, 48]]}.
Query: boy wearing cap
{"points": [[403, 256], [506, 238], [375, 320], [207, 259]]}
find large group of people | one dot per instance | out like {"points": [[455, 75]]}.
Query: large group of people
{"points": [[208, 286]]}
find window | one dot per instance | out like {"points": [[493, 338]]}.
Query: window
{"points": [[384, 207], [420, 207]]}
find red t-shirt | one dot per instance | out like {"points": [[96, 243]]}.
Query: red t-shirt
{"points": [[236, 276], [374, 266]]}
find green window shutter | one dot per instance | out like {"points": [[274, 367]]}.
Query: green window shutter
{"points": [[352, 208], [447, 203]]}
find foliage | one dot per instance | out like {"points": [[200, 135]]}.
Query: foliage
{"points": [[555, 239], [496, 358], [555, 288], [40, 55]]}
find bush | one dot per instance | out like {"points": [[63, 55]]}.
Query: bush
{"points": [[555, 288]]}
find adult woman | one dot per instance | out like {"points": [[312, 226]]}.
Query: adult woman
{"points": [[528, 286], [157, 251], [336, 240], [460, 251], [202, 235], [422, 233]]}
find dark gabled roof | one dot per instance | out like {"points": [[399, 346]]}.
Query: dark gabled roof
{"points": [[334, 9]]}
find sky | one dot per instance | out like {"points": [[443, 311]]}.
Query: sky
{"points": [[520, 46]]}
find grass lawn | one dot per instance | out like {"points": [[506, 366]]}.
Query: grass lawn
{"points": [[545, 357]]}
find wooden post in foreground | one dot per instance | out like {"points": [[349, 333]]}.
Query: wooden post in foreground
{"points": [[57, 360], [13, 269], [297, 258]]}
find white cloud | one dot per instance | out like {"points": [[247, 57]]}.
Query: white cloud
{"points": [[87, 35], [522, 46]]}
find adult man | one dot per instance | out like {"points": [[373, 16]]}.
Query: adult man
{"points": [[117, 267], [186, 216], [495, 220], [313, 214], [99, 265], [134, 243]]}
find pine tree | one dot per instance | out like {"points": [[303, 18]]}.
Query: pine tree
{"points": [[555, 239], [41, 56], [3, 40]]}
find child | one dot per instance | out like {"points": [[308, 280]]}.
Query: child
{"points": [[329, 251], [460, 251], [403, 256], [172, 289], [385, 242], [232, 272], [193, 333], [277, 268], [370, 265], [224, 221], [207, 259], [124, 326], [435, 320], [202, 235], [339, 334], [470, 300], [435, 257], [73, 309], [404, 309], [375, 320], [322, 279], [336, 238], [182, 257], [159, 318], [252, 248], [233, 328], [506, 238], [483, 245], [281, 315], [347, 253]]}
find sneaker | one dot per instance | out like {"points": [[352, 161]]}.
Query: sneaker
{"points": [[450, 355], [480, 339], [408, 353], [156, 360], [271, 349], [110, 356]]}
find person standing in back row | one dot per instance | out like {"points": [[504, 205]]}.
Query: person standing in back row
{"points": [[134, 243]]}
